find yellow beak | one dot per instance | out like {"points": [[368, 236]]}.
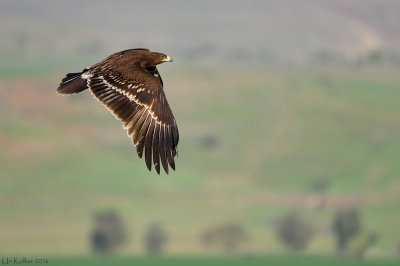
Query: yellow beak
{"points": [[167, 59]]}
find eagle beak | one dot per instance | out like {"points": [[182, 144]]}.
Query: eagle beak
{"points": [[167, 59]]}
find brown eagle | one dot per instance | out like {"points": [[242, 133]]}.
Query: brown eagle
{"points": [[129, 85]]}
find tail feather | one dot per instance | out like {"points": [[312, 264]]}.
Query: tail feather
{"points": [[72, 83]]}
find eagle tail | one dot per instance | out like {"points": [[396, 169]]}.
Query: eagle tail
{"points": [[72, 83]]}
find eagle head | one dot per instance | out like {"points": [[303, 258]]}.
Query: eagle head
{"points": [[159, 58], [152, 59]]}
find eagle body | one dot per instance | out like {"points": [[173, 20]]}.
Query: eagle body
{"points": [[129, 85]]}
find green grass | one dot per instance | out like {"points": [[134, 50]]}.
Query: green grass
{"points": [[195, 261]]}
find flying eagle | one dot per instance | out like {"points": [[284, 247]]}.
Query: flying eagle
{"points": [[129, 85]]}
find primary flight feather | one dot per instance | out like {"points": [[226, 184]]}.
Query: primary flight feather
{"points": [[129, 85]]}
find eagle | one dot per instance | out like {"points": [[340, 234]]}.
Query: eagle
{"points": [[129, 85]]}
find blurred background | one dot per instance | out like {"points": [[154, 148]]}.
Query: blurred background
{"points": [[289, 119]]}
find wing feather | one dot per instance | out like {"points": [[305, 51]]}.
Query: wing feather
{"points": [[156, 152], [148, 142], [140, 147], [142, 135], [133, 122], [169, 148], [162, 150]]}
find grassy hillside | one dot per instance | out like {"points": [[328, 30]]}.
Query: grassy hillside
{"points": [[253, 143]]}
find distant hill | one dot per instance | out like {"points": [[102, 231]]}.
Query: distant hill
{"points": [[284, 31]]}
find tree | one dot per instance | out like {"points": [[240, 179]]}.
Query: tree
{"points": [[108, 233], [294, 232], [155, 239], [346, 225]]}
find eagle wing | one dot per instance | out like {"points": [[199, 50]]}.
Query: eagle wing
{"points": [[138, 100]]}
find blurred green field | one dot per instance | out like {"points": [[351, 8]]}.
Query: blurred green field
{"points": [[309, 261], [272, 135]]}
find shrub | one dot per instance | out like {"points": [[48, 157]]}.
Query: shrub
{"points": [[359, 245], [155, 239], [108, 233], [226, 236], [346, 225], [294, 232]]}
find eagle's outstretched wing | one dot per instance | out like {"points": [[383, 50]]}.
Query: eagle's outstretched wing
{"points": [[140, 103]]}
